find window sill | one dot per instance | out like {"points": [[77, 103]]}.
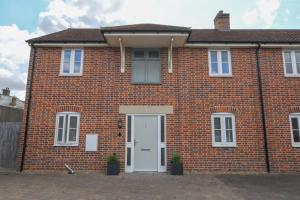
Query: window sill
{"points": [[221, 76], [224, 146], [146, 83], [292, 76], [70, 74], [296, 145], [66, 145]]}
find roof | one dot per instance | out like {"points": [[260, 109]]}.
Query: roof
{"points": [[245, 35], [196, 35], [6, 100], [72, 35], [146, 28]]}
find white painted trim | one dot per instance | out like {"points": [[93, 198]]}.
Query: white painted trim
{"points": [[170, 56], [294, 115], [223, 130], [122, 55], [160, 145], [144, 109], [294, 64], [72, 62], [67, 143], [241, 45], [219, 58], [146, 34], [70, 45]]}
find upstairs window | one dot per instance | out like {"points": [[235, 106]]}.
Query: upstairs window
{"points": [[295, 130], [219, 63], [146, 67], [71, 62], [291, 60], [67, 129], [223, 130]]}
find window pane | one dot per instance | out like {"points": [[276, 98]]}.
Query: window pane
{"points": [[287, 57], [297, 54], [77, 66], [218, 136], [296, 136], [162, 156], [129, 129], [78, 55], [229, 136], [224, 55], [153, 71], [128, 156], [72, 135], [225, 68], [153, 54], [295, 124], [213, 57], [162, 129], [66, 68], [139, 54], [289, 68], [67, 60], [217, 122], [61, 122], [214, 68], [73, 122], [228, 122], [298, 68], [138, 71], [59, 135]]}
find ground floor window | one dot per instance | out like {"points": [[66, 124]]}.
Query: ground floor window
{"points": [[223, 130], [295, 131], [67, 129]]}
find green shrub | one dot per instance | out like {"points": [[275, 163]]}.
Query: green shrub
{"points": [[112, 159], [176, 159]]}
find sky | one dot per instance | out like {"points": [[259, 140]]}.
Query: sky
{"points": [[24, 19]]}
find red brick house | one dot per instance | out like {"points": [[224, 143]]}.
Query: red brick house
{"points": [[224, 99]]}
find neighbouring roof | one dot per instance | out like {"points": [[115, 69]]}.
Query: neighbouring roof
{"points": [[6, 100], [196, 35]]}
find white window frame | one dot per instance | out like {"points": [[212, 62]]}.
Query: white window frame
{"points": [[219, 58], [67, 143], [223, 142], [294, 65], [72, 62], [294, 115]]}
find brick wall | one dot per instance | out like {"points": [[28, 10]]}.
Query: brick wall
{"points": [[189, 89]]}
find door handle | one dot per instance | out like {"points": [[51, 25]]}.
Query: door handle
{"points": [[142, 149]]}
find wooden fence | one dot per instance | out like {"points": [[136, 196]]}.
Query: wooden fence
{"points": [[9, 134]]}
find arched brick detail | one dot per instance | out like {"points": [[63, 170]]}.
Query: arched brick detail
{"points": [[68, 108], [226, 109], [294, 109]]}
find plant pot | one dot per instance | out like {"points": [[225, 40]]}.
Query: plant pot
{"points": [[113, 168], [177, 168]]}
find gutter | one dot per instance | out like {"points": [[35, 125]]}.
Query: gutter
{"points": [[262, 107], [28, 109]]}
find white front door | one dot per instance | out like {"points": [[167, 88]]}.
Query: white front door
{"points": [[145, 143]]}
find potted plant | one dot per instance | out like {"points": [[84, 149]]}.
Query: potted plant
{"points": [[113, 165], [176, 165]]}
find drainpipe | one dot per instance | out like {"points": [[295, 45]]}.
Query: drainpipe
{"points": [[28, 108], [262, 107]]}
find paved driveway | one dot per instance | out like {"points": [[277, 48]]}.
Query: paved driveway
{"points": [[149, 186]]}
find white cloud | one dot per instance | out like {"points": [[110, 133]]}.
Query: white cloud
{"points": [[14, 55], [62, 14], [250, 17], [264, 12]]}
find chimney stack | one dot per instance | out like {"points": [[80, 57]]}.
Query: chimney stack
{"points": [[222, 21], [13, 101], [6, 91]]}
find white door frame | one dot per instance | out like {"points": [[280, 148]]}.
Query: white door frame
{"points": [[160, 168]]}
